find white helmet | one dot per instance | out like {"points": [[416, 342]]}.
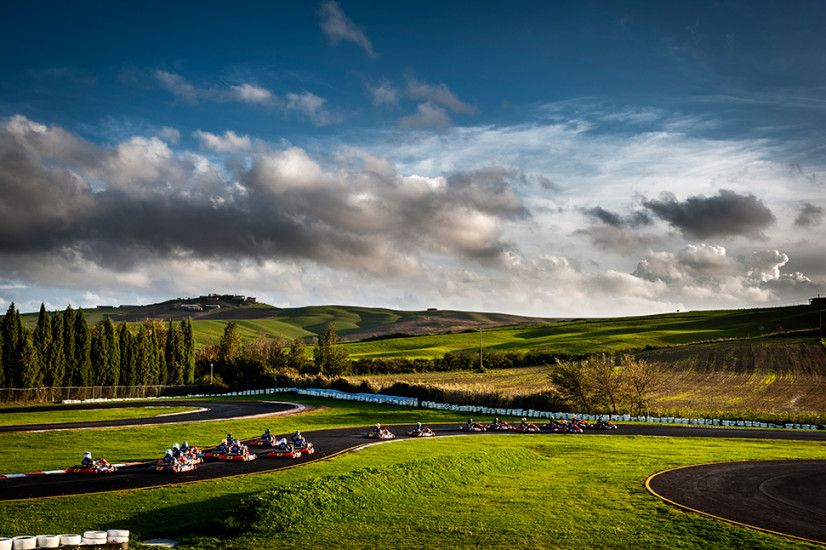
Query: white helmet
{"points": [[169, 451], [87, 454], [176, 446]]}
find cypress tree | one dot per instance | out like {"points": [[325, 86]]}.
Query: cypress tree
{"points": [[105, 354], [145, 356], [70, 357], [2, 364], [174, 355], [13, 347], [30, 373], [83, 347], [188, 350], [56, 368], [42, 343], [97, 356], [126, 343]]}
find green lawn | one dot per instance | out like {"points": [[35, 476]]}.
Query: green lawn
{"points": [[91, 415], [496, 491]]}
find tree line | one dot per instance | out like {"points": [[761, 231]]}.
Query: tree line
{"points": [[63, 350]]}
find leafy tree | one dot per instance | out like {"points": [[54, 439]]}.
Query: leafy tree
{"points": [[328, 359], [83, 348], [146, 359], [56, 363], [644, 380], [607, 380], [228, 352], [573, 384], [297, 357]]}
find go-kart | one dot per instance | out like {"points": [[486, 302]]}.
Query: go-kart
{"points": [[101, 466], [565, 427], [173, 467], [235, 452], [603, 425], [500, 427], [263, 442], [475, 427], [305, 447], [289, 452], [424, 431], [384, 433], [529, 428]]}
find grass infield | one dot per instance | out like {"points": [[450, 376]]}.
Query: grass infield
{"points": [[497, 491], [91, 415]]}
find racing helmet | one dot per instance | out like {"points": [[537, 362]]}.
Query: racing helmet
{"points": [[524, 419], [297, 432], [168, 452], [185, 444], [418, 424], [87, 454], [378, 425], [267, 431], [176, 446]]}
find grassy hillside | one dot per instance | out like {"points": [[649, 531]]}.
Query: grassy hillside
{"points": [[617, 335]]}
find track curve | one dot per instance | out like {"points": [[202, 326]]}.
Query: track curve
{"points": [[213, 412], [786, 497]]}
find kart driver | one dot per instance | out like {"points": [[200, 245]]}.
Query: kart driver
{"points": [[87, 461]]}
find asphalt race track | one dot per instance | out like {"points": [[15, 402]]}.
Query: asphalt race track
{"points": [[781, 496], [787, 497]]}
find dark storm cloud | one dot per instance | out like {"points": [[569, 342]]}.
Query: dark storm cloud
{"points": [[635, 219], [726, 215], [808, 215], [138, 200]]}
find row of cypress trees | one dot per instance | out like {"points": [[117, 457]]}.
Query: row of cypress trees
{"points": [[63, 350]]}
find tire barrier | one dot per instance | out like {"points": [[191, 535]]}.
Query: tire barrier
{"points": [[89, 539]]}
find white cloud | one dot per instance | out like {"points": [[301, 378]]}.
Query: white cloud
{"points": [[230, 142], [249, 93]]}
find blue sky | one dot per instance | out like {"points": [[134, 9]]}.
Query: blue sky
{"points": [[543, 158]]}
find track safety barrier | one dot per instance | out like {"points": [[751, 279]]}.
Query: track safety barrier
{"points": [[476, 409], [111, 539]]}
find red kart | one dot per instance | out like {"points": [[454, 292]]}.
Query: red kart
{"points": [[383, 433], [100, 466], [423, 431], [474, 427], [234, 452], [527, 428], [174, 467], [499, 427]]}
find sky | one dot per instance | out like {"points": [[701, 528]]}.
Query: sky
{"points": [[548, 158]]}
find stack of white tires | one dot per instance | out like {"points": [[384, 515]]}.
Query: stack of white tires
{"points": [[89, 538]]}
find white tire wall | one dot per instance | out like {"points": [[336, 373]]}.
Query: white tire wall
{"points": [[69, 540], [23, 543], [5, 544], [48, 541]]}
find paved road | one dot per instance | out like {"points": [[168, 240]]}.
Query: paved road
{"points": [[781, 496]]}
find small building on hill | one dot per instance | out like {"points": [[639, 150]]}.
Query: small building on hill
{"points": [[817, 301]]}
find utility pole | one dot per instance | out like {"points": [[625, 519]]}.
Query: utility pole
{"points": [[480, 350]]}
